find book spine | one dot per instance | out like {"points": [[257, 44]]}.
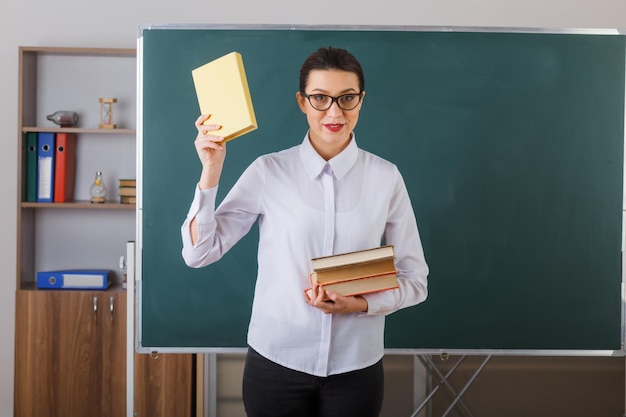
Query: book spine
{"points": [[314, 278], [354, 258], [64, 167], [45, 167], [361, 270], [31, 167]]}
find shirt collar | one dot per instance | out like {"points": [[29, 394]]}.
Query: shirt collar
{"points": [[314, 164]]}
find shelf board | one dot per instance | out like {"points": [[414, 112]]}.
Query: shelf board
{"points": [[79, 130], [54, 50], [79, 205], [31, 286]]}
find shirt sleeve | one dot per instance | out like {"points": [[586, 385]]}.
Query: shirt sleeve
{"points": [[219, 229], [203, 210], [402, 232]]}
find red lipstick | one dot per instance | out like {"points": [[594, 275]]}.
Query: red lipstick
{"points": [[334, 127]]}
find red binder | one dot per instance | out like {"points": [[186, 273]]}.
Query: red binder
{"points": [[65, 167]]}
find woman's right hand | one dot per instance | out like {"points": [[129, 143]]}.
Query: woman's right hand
{"points": [[211, 150]]}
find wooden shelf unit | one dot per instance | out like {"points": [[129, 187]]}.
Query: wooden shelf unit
{"points": [[56, 78], [70, 345]]}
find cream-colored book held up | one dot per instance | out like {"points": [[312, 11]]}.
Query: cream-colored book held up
{"points": [[223, 92]]}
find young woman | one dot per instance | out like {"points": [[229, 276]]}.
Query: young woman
{"points": [[307, 356]]}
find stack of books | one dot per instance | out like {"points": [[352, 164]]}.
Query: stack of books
{"points": [[127, 190], [354, 273]]}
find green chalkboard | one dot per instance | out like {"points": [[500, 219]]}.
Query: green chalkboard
{"points": [[511, 145]]}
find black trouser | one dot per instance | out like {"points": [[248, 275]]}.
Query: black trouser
{"points": [[271, 390]]}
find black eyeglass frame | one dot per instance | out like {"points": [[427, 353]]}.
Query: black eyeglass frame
{"points": [[334, 100]]}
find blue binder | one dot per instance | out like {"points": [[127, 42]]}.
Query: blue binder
{"points": [[94, 279], [45, 167]]}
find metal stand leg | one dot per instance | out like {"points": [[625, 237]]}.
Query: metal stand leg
{"points": [[434, 371], [210, 385], [422, 386]]}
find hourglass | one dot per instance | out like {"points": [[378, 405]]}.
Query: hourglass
{"points": [[106, 113]]}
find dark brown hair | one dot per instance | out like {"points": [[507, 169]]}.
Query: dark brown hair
{"points": [[331, 58]]}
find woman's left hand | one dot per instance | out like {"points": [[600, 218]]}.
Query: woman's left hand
{"points": [[337, 303]]}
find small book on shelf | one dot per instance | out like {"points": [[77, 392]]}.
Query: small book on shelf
{"points": [[222, 90], [354, 273], [127, 191], [127, 182]]}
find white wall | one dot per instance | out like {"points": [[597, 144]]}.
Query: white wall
{"points": [[114, 23]]}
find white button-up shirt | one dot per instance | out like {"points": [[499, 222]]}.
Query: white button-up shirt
{"points": [[306, 208]]}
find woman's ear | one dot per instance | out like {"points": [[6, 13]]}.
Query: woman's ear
{"points": [[301, 101]]}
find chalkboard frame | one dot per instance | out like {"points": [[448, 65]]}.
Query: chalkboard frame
{"points": [[145, 348]]}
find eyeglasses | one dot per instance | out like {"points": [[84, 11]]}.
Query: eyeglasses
{"points": [[323, 102]]}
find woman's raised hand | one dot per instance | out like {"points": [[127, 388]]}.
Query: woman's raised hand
{"points": [[211, 150]]}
